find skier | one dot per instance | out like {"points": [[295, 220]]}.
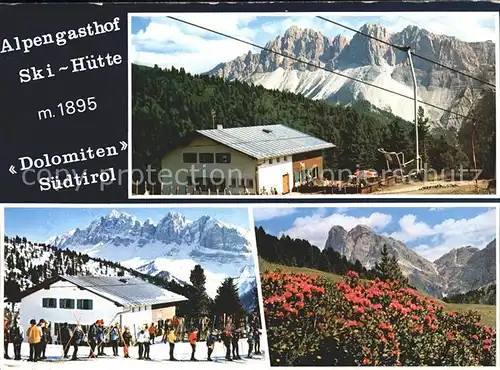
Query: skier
{"points": [[256, 337], [141, 339], [45, 338], [226, 339], [250, 339], [76, 340], [171, 343], [211, 339], [6, 338], [152, 333], [147, 343], [235, 342], [254, 321], [66, 335], [114, 336], [16, 337], [127, 341], [166, 332], [92, 339], [100, 338], [193, 337], [34, 334]]}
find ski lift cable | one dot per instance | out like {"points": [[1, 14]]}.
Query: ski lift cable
{"points": [[404, 48]]}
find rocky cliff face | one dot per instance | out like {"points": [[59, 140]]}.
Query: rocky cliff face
{"points": [[468, 268], [456, 272], [122, 229], [452, 263], [363, 244], [372, 61], [337, 237], [169, 248]]}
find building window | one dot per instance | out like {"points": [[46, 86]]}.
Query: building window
{"points": [[271, 161], [278, 160], [250, 183], [67, 303], [223, 158], [285, 158], [84, 304], [49, 302], [233, 183], [206, 157], [190, 157], [297, 176]]}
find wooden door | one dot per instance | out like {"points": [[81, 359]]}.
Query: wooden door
{"points": [[286, 183]]}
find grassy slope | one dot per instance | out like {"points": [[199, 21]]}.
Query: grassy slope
{"points": [[488, 313]]}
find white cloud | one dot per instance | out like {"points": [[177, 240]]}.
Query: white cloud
{"points": [[170, 43], [315, 228], [451, 233], [411, 229], [265, 214], [167, 43], [436, 209]]}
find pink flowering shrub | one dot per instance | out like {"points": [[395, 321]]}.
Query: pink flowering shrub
{"points": [[312, 321]]}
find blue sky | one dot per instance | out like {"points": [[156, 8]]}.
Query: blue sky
{"points": [[39, 224], [431, 232], [166, 42]]}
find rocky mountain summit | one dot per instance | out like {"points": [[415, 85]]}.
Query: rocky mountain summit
{"points": [[169, 248], [372, 61], [458, 271], [468, 268]]}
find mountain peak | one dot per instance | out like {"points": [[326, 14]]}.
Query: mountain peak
{"points": [[167, 249], [456, 256], [175, 215], [114, 214], [362, 229], [367, 60], [296, 31], [291, 30], [176, 218], [336, 239], [374, 29]]}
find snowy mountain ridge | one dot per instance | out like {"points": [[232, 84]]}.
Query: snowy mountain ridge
{"points": [[362, 58], [169, 248]]}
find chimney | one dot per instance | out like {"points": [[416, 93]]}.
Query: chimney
{"points": [[219, 127]]}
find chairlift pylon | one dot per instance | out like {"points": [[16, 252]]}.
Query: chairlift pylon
{"points": [[400, 157]]}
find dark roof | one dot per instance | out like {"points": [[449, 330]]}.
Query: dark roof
{"points": [[123, 291], [269, 141]]}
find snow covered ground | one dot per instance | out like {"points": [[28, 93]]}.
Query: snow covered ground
{"points": [[158, 354]]}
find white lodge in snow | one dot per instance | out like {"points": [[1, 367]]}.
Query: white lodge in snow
{"points": [[255, 159], [127, 301]]}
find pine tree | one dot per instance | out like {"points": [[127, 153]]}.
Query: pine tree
{"points": [[423, 135], [227, 300], [256, 300], [199, 301], [382, 268], [388, 268], [12, 291]]}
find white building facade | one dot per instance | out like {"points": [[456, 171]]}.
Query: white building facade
{"points": [[76, 300], [240, 160]]}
